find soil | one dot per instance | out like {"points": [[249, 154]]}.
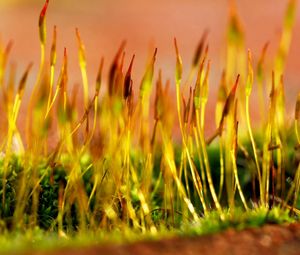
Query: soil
{"points": [[270, 239]]}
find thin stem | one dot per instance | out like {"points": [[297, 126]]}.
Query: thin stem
{"points": [[33, 94], [233, 158], [50, 88], [197, 181], [222, 173], [254, 148], [207, 166]]}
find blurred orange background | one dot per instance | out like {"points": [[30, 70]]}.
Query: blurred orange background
{"points": [[147, 24]]}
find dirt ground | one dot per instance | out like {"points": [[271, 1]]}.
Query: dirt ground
{"points": [[268, 240]]}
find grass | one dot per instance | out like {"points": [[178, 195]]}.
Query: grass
{"points": [[116, 171], [38, 239]]}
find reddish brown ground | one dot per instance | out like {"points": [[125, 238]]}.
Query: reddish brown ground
{"points": [[268, 240]]}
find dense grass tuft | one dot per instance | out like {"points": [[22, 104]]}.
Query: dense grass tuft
{"points": [[116, 169]]}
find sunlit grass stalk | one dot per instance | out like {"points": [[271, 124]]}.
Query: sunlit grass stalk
{"points": [[227, 118], [266, 166], [267, 153], [280, 136], [233, 157], [203, 85], [144, 205], [229, 174], [235, 170], [82, 64], [168, 153], [222, 167], [94, 103], [63, 108], [42, 36], [197, 92], [184, 171], [277, 137], [248, 90], [53, 57], [280, 179], [222, 95], [197, 58], [178, 77], [145, 91], [204, 95], [200, 98], [199, 154], [207, 166]]}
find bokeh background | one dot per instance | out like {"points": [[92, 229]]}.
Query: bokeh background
{"points": [[144, 25]]}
